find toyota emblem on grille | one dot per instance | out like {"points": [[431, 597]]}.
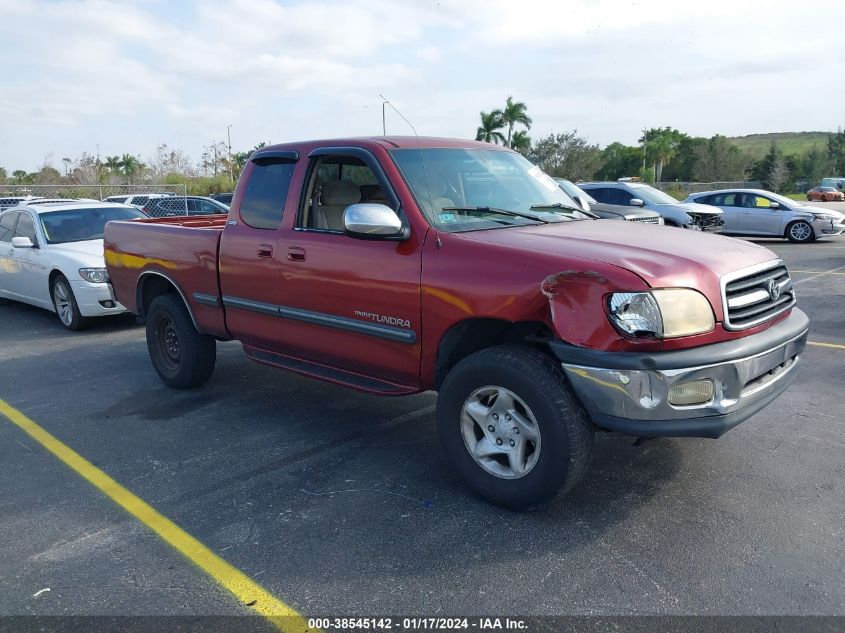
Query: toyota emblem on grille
{"points": [[774, 289]]}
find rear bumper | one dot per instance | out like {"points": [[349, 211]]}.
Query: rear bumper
{"points": [[93, 299], [630, 392]]}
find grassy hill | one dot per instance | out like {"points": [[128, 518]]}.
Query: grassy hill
{"points": [[790, 142]]}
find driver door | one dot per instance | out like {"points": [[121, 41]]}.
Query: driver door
{"points": [[757, 216]]}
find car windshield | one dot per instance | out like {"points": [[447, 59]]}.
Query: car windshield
{"points": [[78, 225], [647, 193], [573, 190], [783, 201], [462, 189]]}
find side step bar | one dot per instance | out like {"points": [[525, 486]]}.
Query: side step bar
{"points": [[329, 374]]}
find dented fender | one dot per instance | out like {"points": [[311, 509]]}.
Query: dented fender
{"points": [[578, 302]]}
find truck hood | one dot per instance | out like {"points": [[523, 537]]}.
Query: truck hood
{"points": [[661, 256]]}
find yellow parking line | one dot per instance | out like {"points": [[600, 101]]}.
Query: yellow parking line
{"points": [[833, 345], [236, 582]]}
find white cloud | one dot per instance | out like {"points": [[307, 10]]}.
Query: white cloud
{"points": [[129, 75]]}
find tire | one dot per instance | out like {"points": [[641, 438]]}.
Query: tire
{"points": [[556, 436], [183, 357], [799, 232], [64, 302]]}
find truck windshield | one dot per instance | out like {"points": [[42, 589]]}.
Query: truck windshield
{"points": [[78, 225], [471, 189], [652, 195]]}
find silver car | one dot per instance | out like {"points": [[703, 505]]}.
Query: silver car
{"points": [[759, 213], [697, 217]]}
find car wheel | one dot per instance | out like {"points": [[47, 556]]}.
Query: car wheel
{"points": [[512, 428], [800, 232], [65, 304], [183, 357]]}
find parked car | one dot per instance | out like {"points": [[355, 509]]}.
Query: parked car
{"points": [[834, 181], [51, 256], [675, 213], [474, 277], [607, 211], [172, 206], [136, 200], [825, 194], [755, 212], [225, 198], [13, 201]]}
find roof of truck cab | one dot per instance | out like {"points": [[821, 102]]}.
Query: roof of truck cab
{"points": [[390, 142]]}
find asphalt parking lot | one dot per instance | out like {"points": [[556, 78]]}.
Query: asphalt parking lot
{"points": [[339, 503]]}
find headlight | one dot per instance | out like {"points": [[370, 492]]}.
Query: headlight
{"points": [[663, 313], [94, 275], [821, 216]]}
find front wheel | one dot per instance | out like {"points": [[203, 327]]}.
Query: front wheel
{"points": [[65, 304], [183, 357], [800, 232], [512, 428]]}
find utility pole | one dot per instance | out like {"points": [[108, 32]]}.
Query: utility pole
{"points": [[229, 139], [383, 120]]}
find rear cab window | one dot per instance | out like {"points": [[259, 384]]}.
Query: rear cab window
{"points": [[263, 201]]}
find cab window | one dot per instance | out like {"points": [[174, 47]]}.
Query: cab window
{"points": [[263, 202]]}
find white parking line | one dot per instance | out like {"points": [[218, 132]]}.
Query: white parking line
{"points": [[821, 274]]}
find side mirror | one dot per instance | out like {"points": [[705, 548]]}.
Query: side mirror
{"points": [[581, 202], [774, 205], [636, 202], [369, 221], [22, 242]]}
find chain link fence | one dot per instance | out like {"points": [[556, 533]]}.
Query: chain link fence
{"points": [[154, 200]]}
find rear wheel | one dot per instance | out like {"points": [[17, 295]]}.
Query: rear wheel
{"points": [[800, 232], [182, 356], [512, 428], [65, 304]]}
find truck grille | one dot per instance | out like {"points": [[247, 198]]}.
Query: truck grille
{"points": [[755, 295], [647, 220]]}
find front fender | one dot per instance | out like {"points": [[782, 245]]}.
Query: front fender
{"points": [[578, 302]]}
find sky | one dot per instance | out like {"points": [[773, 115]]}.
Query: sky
{"points": [[110, 77]]}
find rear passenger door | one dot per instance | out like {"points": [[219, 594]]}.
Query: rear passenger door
{"points": [[251, 252]]}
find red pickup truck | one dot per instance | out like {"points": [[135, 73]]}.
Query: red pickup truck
{"points": [[397, 265]]}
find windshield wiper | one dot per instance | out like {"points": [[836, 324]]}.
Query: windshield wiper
{"points": [[563, 207], [479, 210]]}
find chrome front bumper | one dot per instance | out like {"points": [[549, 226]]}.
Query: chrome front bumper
{"points": [[629, 392]]}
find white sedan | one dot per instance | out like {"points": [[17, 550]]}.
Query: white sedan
{"points": [[51, 256]]}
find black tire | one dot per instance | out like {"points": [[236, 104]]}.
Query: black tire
{"points": [[183, 357], [565, 430], [64, 302], [799, 225]]}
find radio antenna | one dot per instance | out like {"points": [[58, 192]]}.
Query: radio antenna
{"points": [[385, 101]]}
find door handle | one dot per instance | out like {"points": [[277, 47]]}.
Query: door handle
{"points": [[265, 250], [296, 254]]}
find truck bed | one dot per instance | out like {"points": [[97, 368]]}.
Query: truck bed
{"points": [[182, 250]]}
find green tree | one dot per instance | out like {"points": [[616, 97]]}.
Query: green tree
{"points": [[20, 177], [717, 159], [515, 112], [3, 176], [836, 152], [619, 160], [46, 176], [566, 155], [112, 164], [772, 170], [682, 166], [488, 131], [661, 146], [814, 166], [521, 142], [130, 166]]}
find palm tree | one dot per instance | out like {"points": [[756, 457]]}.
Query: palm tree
{"points": [[488, 131], [663, 148], [515, 113], [129, 165], [521, 142], [113, 164]]}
